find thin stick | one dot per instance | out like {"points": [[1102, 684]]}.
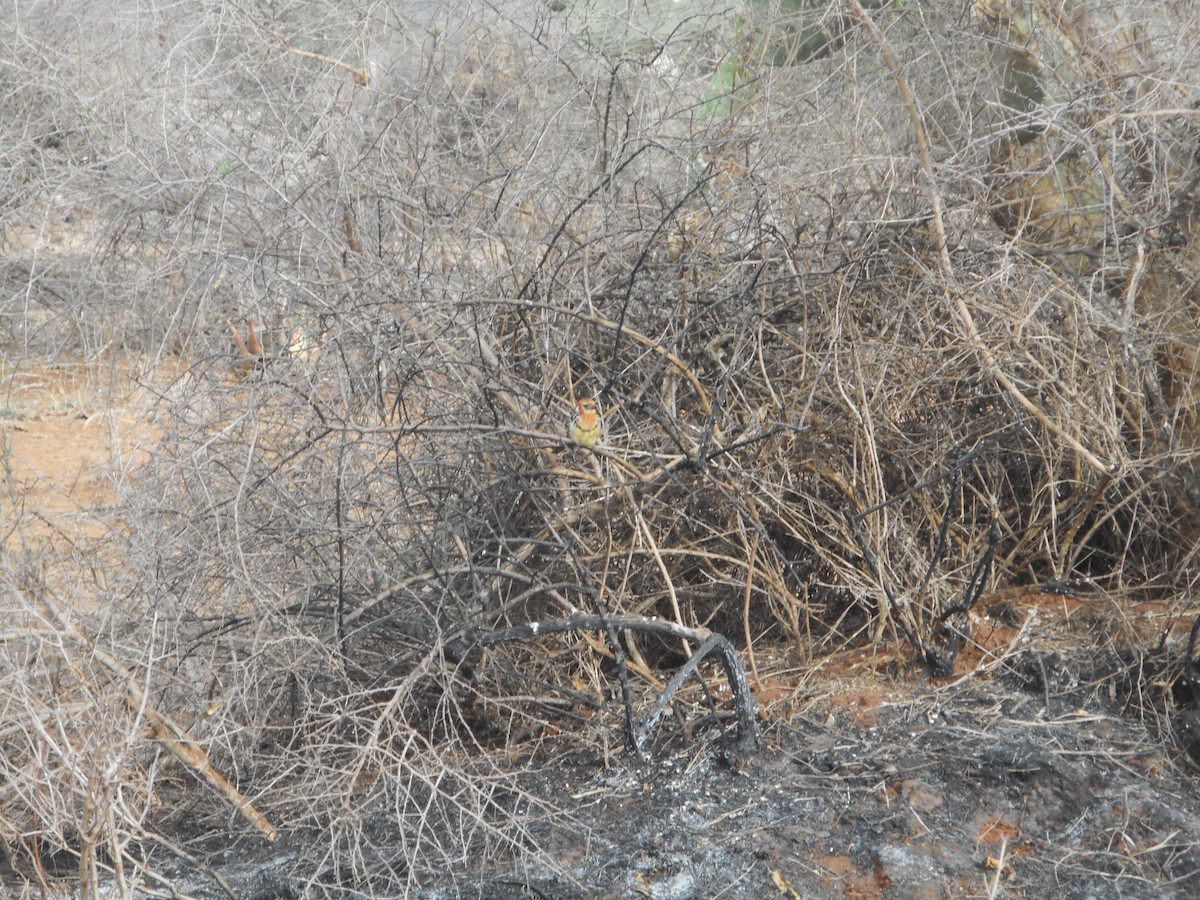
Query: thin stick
{"points": [[746, 606], [173, 735], [361, 78]]}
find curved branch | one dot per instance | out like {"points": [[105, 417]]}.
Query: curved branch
{"points": [[746, 737]]}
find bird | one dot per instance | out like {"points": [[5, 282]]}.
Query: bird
{"points": [[585, 429]]}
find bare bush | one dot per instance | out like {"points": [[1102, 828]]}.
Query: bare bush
{"points": [[882, 307]]}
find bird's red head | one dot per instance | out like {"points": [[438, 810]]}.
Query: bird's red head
{"points": [[585, 409]]}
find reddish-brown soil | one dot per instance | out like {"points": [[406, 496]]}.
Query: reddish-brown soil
{"points": [[63, 427]]}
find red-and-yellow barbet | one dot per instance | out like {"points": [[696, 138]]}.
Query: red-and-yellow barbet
{"points": [[586, 428]]}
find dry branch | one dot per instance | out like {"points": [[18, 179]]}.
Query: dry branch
{"points": [[746, 737], [361, 77], [954, 293], [173, 735]]}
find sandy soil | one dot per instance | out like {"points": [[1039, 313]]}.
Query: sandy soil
{"points": [[56, 439], [68, 431]]}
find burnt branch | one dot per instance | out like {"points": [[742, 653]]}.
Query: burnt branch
{"points": [[746, 736]]}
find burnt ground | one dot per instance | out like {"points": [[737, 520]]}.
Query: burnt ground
{"points": [[1045, 773], [906, 795]]}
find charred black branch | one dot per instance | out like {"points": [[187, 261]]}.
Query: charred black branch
{"points": [[746, 738]]}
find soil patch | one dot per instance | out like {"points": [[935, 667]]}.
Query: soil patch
{"points": [[63, 428]]}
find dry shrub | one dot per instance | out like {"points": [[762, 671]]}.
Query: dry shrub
{"points": [[835, 410]]}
